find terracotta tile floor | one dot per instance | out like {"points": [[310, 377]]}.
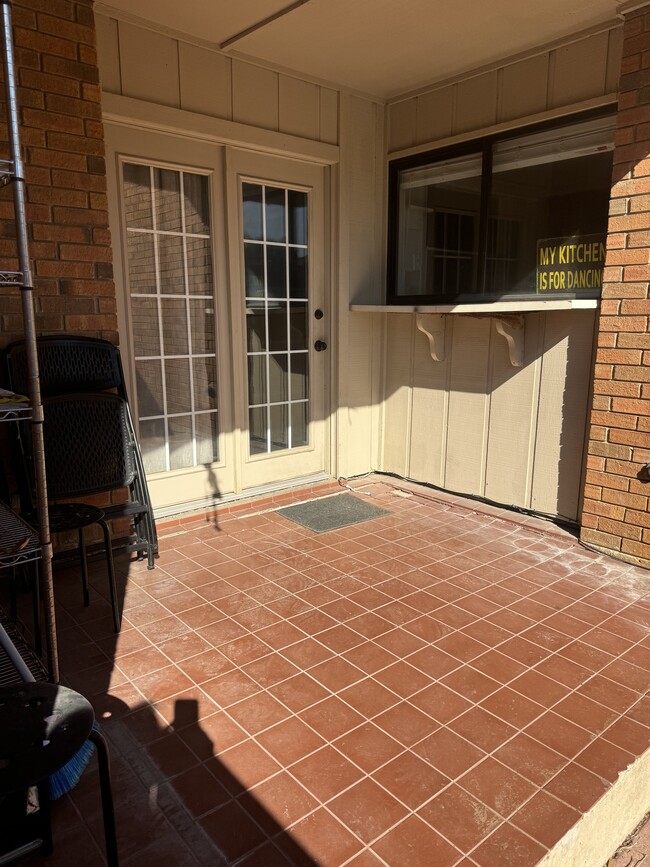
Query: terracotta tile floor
{"points": [[450, 684]]}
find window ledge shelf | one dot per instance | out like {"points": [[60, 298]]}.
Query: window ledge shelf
{"points": [[491, 308]]}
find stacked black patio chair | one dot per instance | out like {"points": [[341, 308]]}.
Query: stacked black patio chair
{"points": [[89, 370]]}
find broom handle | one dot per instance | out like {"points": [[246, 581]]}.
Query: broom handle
{"points": [[16, 659]]}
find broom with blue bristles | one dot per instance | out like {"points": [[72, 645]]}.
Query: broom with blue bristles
{"points": [[67, 777]]}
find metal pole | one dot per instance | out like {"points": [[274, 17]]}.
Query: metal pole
{"points": [[29, 325]]}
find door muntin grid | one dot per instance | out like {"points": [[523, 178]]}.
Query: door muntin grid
{"points": [[276, 287], [170, 276]]}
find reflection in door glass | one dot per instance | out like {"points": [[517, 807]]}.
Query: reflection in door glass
{"points": [[169, 253], [275, 240]]}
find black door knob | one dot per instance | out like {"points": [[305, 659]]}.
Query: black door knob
{"points": [[320, 345]]}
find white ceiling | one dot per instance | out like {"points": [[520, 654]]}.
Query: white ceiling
{"points": [[380, 47]]}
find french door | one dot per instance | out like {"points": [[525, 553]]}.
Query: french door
{"points": [[279, 280], [224, 322]]}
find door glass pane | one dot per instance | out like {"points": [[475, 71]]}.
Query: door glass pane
{"points": [[299, 424], [204, 373], [199, 265], [177, 385], [255, 329], [298, 327], [137, 196], [275, 213], [254, 270], [180, 442], [152, 443], [174, 326], [276, 272], [196, 201], [279, 427], [206, 437], [297, 272], [144, 319], [167, 196], [258, 430], [278, 338], [171, 269], [257, 379], [150, 390], [142, 263], [169, 253], [278, 377], [275, 242], [297, 217]]}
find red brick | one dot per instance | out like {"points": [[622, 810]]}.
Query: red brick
{"points": [[618, 528], [618, 389], [87, 287], [635, 256], [640, 407], [86, 253], [606, 510], [622, 498], [637, 549], [595, 463], [635, 308], [618, 356], [631, 438], [619, 420], [634, 341], [78, 270], [610, 450], [625, 290], [606, 480], [602, 540]]}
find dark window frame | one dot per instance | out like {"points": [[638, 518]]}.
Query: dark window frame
{"points": [[482, 146]]}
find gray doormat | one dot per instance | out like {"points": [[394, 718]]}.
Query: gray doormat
{"points": [[332, 513]]}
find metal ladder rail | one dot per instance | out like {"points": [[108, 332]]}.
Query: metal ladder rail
{"points": [[12, 172]]}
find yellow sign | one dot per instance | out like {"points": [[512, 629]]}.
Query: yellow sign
{"points": [[571, 264]]}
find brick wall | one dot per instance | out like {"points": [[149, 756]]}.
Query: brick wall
{"points": [[615, 511], [63, 148]]}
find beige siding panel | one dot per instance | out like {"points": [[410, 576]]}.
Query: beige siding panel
{"points": [[299, 107], [513, 417], [329, 116], [429, 413], [149, 65], [108, 54], [205, 77], [523, 88], [255, 95], [564, 395], [359, 364], [435, 115], [614, 55], [468, 404], [476, 103], [578, 70], [397, 403], [401, 125], [363, 163]]}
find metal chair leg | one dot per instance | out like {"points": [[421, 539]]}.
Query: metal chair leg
{"points": [[117, 619], [84, 566], [107, 797], [36, 608]]}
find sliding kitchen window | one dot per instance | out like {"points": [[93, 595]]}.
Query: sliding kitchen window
{"points": [[505, 218]]}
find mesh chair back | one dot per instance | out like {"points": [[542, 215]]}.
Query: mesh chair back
{"points": [[68, 364], [88, 447]]}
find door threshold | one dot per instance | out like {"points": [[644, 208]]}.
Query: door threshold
{"points": [[250, 495]]}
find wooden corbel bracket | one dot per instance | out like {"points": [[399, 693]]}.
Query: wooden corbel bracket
{"points": [[512, 328], [432, 325]]}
